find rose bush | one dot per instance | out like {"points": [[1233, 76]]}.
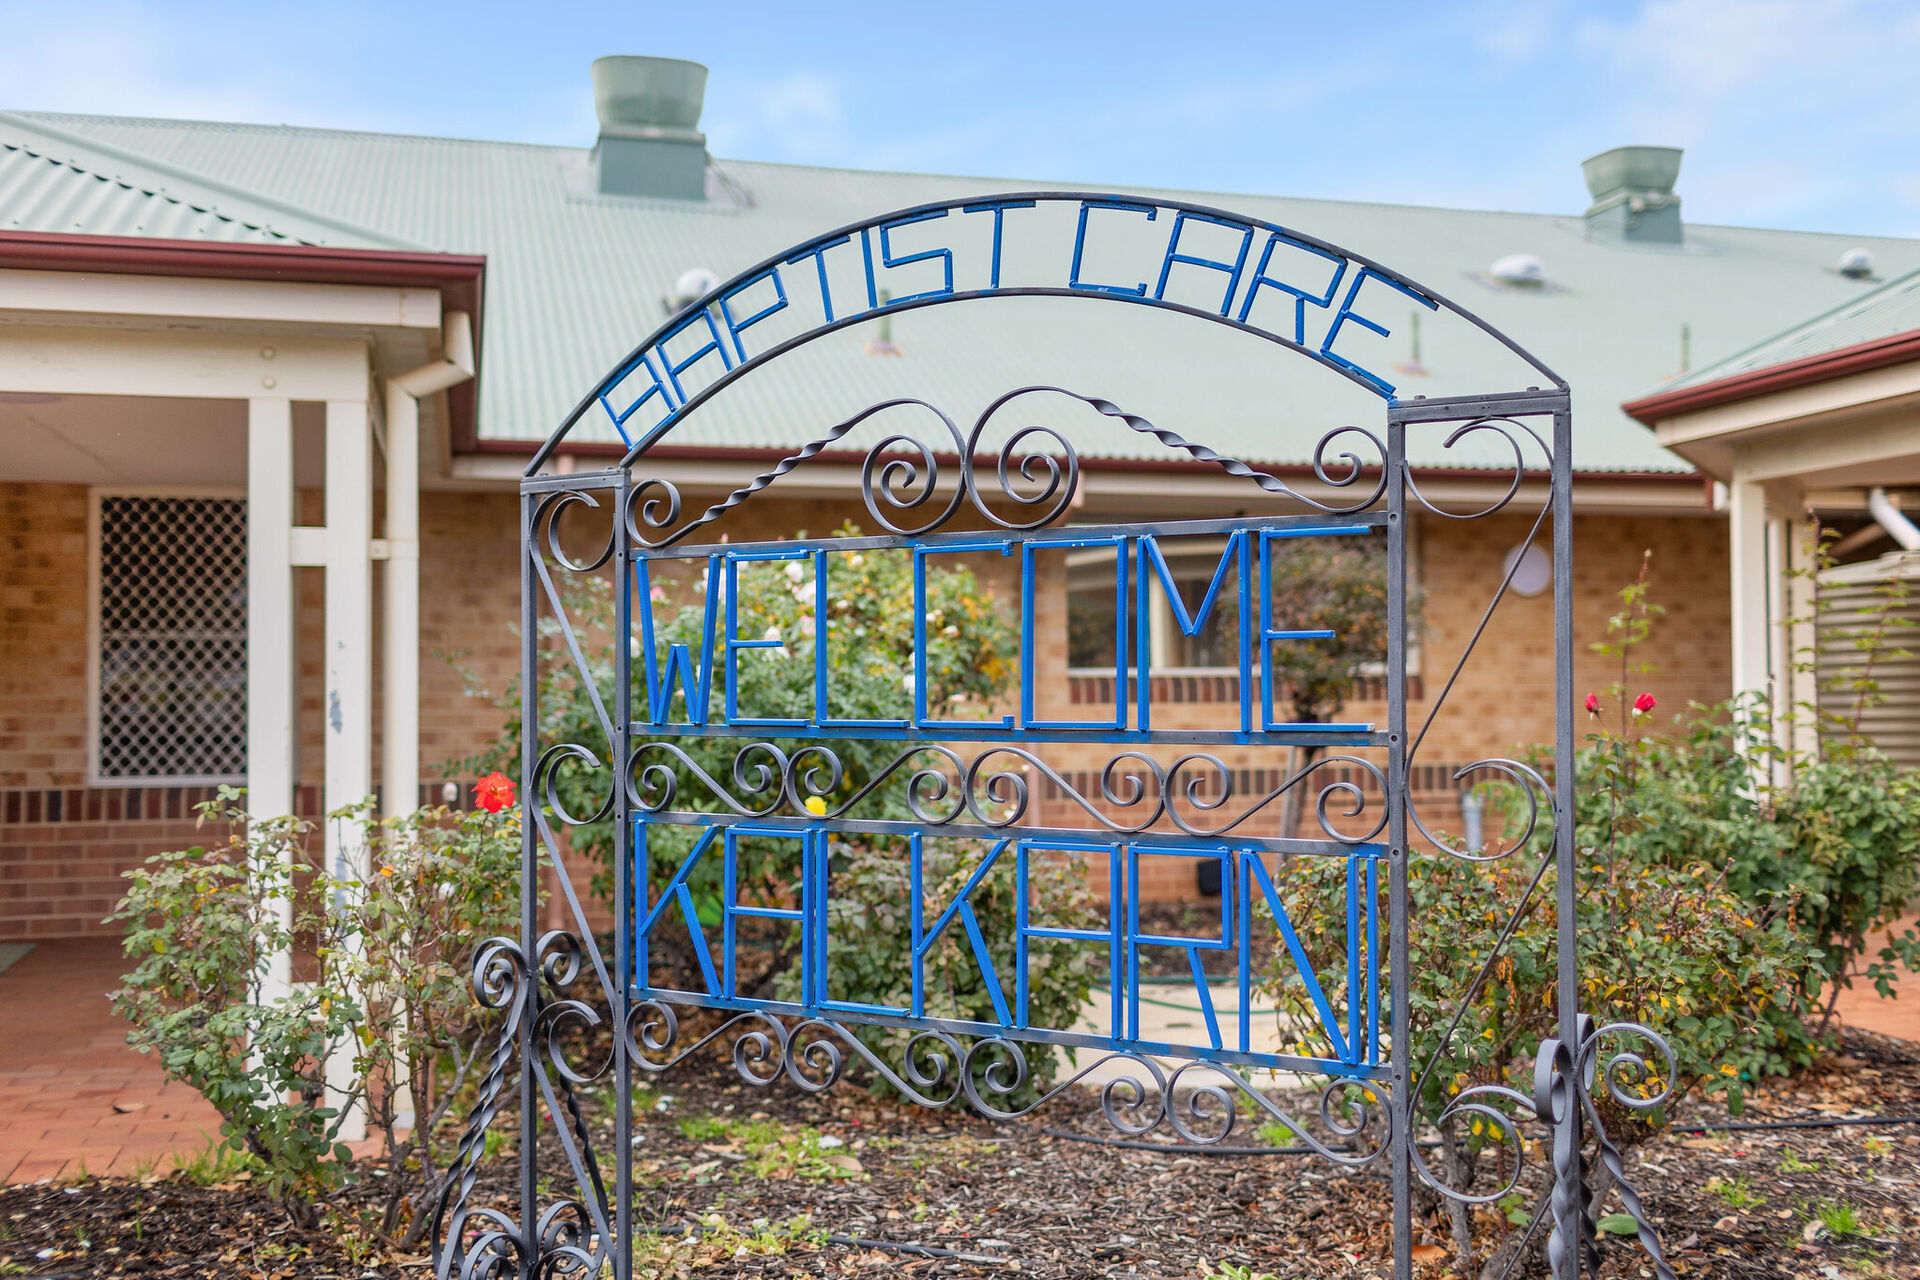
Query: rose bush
{"points": [[384, 985]]}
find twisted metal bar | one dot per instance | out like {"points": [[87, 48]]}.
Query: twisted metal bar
{"points": [[1355, 465], [500, 980], [1622, 1071]]}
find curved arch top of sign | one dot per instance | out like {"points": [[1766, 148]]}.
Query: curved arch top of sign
{"points": [[1284, 272]]}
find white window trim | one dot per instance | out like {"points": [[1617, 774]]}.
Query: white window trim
{"points": [[1160, 620], [95, 494]]}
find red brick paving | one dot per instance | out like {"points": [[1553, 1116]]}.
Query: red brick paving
{"points": [[65, 1064]]}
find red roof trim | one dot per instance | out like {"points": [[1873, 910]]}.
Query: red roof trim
{"points": [[1878, 353], [459, 277]]}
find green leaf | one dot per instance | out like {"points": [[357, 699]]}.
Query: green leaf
{"points": [[1619, 1224]]}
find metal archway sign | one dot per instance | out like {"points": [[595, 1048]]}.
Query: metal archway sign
{"points": [[936, 487]]}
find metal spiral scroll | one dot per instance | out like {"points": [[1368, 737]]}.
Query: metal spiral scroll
{"points": [[993, 788], [935, 1071], [1505, 428], [1539, 797], [1035, 471], [1564, 1083]]}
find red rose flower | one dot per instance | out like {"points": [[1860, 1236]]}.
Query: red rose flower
{"points": [[1593, 704], [1644, 703], [493, 792]]}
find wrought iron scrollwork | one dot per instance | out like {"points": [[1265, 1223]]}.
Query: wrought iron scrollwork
{"points": [[994, 789], [479, 1242], [1025, 482], [995, 1076]]}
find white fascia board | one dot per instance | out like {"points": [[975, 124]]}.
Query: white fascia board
{"points": [[40, 295], [215, 366], [1874, 391], [1827, 447]]}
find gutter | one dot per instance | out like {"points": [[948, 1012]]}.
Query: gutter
{"points": [[459, 278], [1863, 357], [400, 628], [1892, 519], [765, 453]]}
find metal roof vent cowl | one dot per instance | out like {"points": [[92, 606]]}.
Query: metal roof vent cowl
{"points": [[650, 143], [1633, 199]]}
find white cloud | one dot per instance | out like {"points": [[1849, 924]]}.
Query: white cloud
{"points": [[797, 116]]}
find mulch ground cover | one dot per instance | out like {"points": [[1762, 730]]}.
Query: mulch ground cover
{"points": [[733, 1180]]}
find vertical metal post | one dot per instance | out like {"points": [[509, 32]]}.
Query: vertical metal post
{"points": [[1396, 798], [622, 1243], [529, 884], [1566, 857]]}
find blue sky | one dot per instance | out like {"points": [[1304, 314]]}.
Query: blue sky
{"points": [[1794, 113]]}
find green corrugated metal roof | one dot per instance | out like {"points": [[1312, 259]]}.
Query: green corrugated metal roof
{"points": [[54, 180], [1891, 309], [575, 280]]}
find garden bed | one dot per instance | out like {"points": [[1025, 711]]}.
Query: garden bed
{"points": [[733, 1180]]}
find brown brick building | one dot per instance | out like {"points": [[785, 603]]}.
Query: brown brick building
{"points": [[266, 394]]}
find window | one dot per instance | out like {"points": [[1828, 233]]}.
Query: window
{"points": [[168, 659], [1192, 563]]}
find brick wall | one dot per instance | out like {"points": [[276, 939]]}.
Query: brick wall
{"points": [[470, 598]]}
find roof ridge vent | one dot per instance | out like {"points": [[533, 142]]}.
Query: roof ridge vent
{"points": [[650, 142], [1633, 197]]}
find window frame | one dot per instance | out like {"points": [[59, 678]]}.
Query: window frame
{"points": [[1162, 621], [96, 495]]}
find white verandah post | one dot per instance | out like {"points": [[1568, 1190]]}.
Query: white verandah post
{"points": [[347, 710], [271, 626]]}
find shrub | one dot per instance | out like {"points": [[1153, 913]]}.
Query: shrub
{"points": [[202, 930], [388, 987], [442, 884], [1683, 955], [971, 648], [1835, 847], [870, 909]]}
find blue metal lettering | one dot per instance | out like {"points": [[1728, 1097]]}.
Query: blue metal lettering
{"points": [[1347, 313], [926, 255], [920, 554], [1028, 648], [1193, 946], [731, 909], [1232, 269], [714, 345], [1024, 929], [732, 644], [1268, 635], [1256, 870], [818, 252], [998, 209], [822, 614], [1080, 244], [961, 906], [680, 665], [655, 387], [736, 327], [1301, 297], [1236, 555]]}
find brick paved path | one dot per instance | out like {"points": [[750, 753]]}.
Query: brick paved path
{"points": [[71, 1091]]}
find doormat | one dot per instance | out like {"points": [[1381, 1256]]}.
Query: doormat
{"points": [[11, 951]]}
